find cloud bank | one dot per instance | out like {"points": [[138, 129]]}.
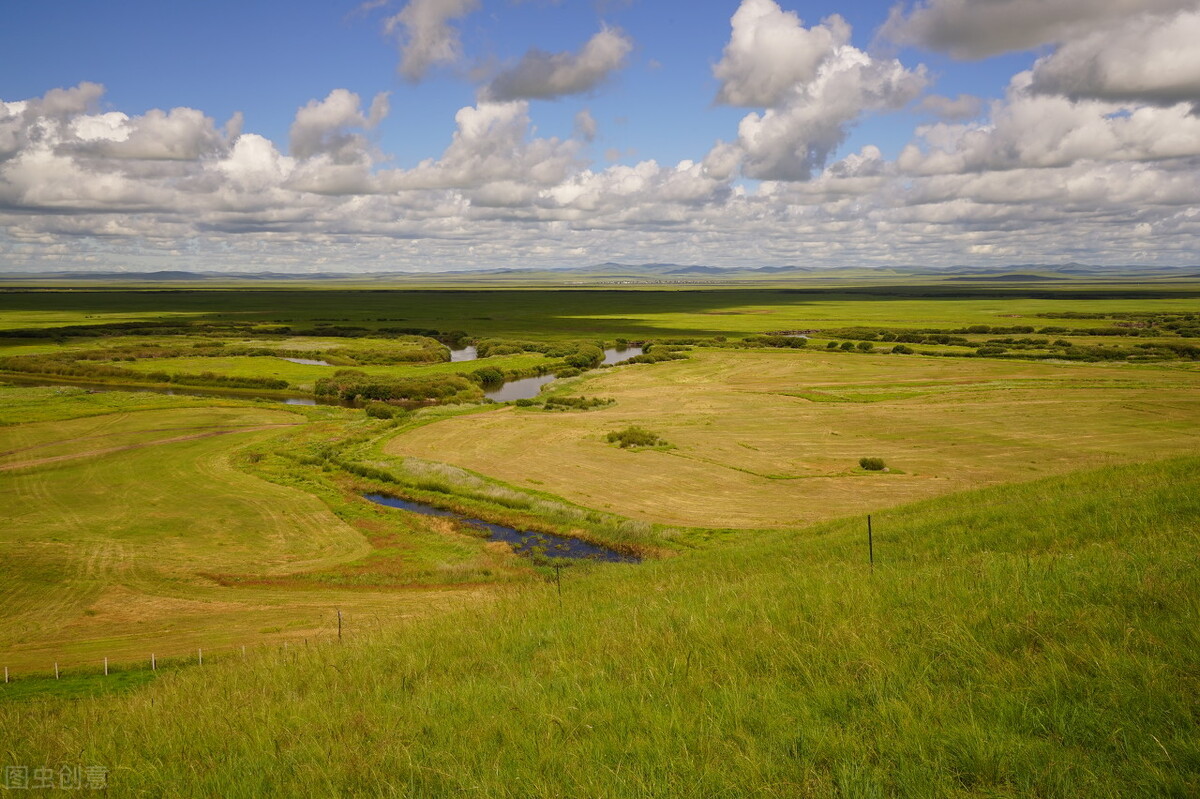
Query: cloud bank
{"points": [[1091, 154]]}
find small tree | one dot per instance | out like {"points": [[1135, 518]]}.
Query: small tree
{"points": [[872, 464]]}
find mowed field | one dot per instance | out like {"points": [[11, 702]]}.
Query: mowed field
{"points": [[773, 439], [111, 524]]}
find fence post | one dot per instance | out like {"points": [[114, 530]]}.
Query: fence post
{"points": [[870, 542], [106, 666], [153, 663], [6, 674], [200, 655], [56, 669]]}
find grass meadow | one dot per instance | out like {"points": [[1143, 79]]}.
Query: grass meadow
{"points": [[1026, 640], [1027, 626]]}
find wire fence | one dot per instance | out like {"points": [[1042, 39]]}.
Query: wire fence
{"points": [[169, 657]]}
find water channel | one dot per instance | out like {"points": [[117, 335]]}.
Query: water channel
{"points": [[523, 542]]}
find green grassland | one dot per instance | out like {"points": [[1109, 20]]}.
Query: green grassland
{"points": [[303, 376], [592, 313], [1028, 627], [1027, 640]]}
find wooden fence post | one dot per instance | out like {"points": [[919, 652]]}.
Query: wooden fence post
{"points": [[870, 542]]}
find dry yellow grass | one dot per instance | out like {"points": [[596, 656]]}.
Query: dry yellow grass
{"points": [[768, 439]]}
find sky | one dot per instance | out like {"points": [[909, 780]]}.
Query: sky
{"points": [[427, 135]]}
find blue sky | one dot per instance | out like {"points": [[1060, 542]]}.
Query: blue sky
{"points": [[846, 158]]}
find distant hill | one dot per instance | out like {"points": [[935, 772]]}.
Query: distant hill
{"points": [[1022, 278], [654, 272]]}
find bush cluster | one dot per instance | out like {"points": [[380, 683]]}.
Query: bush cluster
{"points": [[634, 436], [354, 386]]}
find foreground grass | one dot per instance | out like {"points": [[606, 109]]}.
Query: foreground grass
{"points": [[1027, 640]]}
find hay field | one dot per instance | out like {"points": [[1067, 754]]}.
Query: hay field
{"points": [[772, 439]]}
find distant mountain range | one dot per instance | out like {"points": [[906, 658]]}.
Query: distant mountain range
{"points": [[640, 272]]}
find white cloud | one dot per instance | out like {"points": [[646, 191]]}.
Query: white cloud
{"points": [[1040, 178], [323, 127], [254, 165], [980, 28], [491, 144], [1031, 130], [428, 38], [541, 75], [1151, 59], [181, 134], [813, 84], [770, 52]]}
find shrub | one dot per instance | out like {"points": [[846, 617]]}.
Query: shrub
{"points": [[578, 403], [380, 410], [634, 436], [488, 376], [847, 345], [872, 464], [831, 345], [585, 357], [865, 346], [902, 349]]}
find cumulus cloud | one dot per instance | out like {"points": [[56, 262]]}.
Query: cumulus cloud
{"points": [[426, 35], [181, 134], [541, 75], [1152, 59], [323, 127], [491, 144], [770, 52], [812, 83], [1040, 178], [254, 165], [1049, 131], [980, 28]]}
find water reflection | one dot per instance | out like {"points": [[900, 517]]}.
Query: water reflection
{"points": [[525, 388], [464, 354], [523, 542]]}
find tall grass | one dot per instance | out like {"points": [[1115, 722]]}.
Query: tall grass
{"points": [[1032, 640]]}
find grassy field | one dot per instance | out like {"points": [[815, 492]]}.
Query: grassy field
{"points": [[303, 376], [113, 525], [764, 439], [1028, 640], [594, 313], [1028, 628]]}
